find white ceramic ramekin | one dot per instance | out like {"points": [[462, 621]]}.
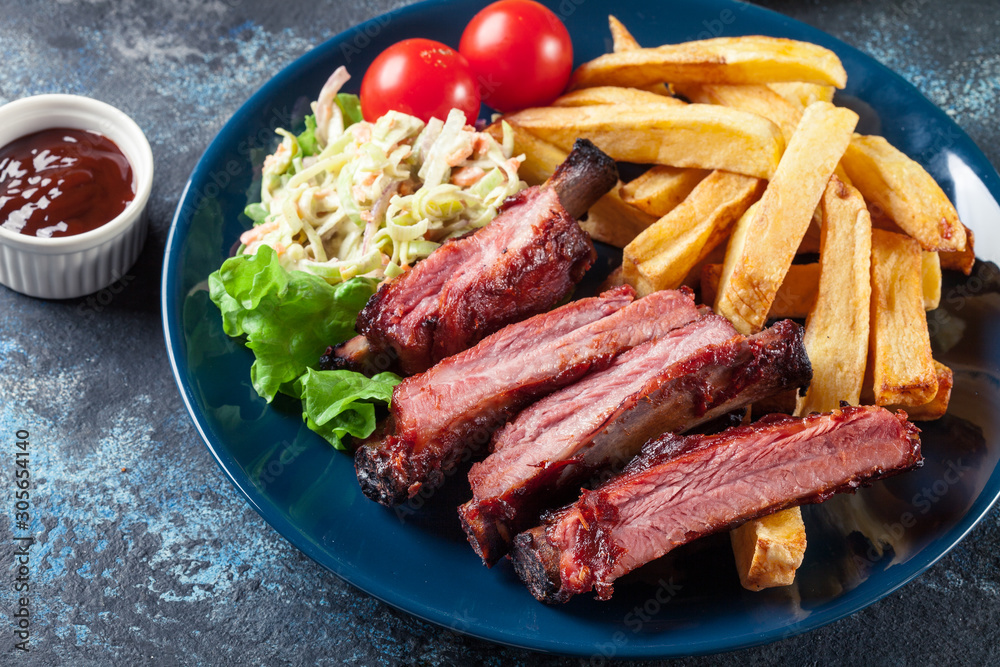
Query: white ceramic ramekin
{"points": [[71, 266]]}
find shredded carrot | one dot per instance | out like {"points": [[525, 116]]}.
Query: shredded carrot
{"points": [[254, 235], [466, 176]]}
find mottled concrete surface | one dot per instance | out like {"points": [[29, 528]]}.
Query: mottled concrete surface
{"points": [[145, 553]]}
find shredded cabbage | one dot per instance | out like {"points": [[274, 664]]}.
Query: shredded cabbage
{"points": [[349, 197]]}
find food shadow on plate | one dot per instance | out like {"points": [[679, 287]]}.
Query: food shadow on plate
{"points": [[435, 510], [671, 593]]}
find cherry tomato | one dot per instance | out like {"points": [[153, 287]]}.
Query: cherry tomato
{"points": [[520, 52], [422, 78]]}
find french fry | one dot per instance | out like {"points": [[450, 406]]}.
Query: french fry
{"points": [[769, 550], [930, 269], [661, 189], [809, 245], [758, 99], [905, 192], [609, 220], [836, 337], [612, 221], [709, 281], [937, 406], [694, 135], [962, 260], [764, 243], [800, 288], [881, 219], [794, 299], [715, 256], [734, 60], [930, 279], [614, 95], [899, 356], [803, 94], [622, 40], [662, 255]]}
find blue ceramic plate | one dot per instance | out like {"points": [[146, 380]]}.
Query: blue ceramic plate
{"points": [[860, 547]]}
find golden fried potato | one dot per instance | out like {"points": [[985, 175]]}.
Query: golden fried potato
{"points": [[614, 222], [757, 99], [764, 243], [733, 60], [962, 260], [899, 356], [622, 40], [714, 256], [794, 299], [661, 189], [803, 94], [694, 135], [769, 550], [809, 245], [797, 293], [930, 279], [708, 281], [937, 406], [661, 256], [614, 95], [905, 192], [837, 328]]}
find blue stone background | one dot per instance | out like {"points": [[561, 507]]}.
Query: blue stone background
{"points": [[145, 553]]}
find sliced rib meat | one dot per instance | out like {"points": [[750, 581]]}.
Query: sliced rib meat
{"points": [[522, 263], [438, 416], [682, 487], [595, 426]]}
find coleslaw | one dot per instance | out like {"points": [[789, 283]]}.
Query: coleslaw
{"points": [[349, 197]]}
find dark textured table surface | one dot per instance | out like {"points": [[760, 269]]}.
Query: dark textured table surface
{"points": [[145, 553]]}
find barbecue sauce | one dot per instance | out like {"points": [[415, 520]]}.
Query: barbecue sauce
{"points": [[62, 182]]}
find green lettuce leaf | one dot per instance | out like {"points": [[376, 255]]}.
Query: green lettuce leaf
{"points": [[336, 404], [256, 212], [351, 106], [307, 140], [288, 318]]}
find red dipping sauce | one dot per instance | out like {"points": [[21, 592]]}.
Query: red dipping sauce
{"points": [[62, 182]]}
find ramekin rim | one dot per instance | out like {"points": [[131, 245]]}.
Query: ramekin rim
{"points": [[142, 166]]}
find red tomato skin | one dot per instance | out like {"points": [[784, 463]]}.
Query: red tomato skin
{"points": [[422, 78], [520, 52]]}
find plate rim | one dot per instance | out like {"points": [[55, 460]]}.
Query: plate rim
{"points": [[850, 602]]}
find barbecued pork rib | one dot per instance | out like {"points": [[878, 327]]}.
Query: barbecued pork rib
{"points": [[680, 488], [686, 378], [523, 263], [356, 355], [439, 415]]}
